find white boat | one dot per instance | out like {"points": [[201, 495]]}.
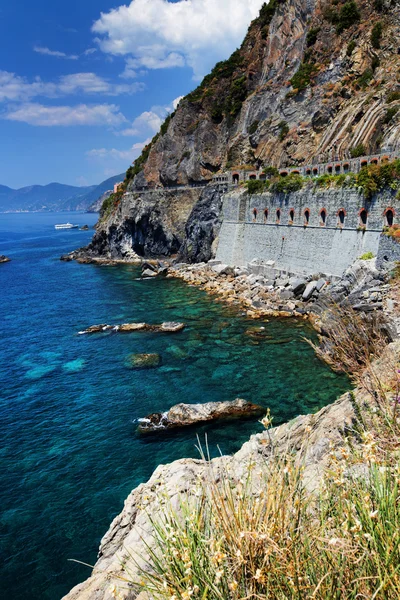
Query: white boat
{"points": [[66, 226]]}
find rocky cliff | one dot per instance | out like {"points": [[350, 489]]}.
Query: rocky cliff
{"points": [[312, 79]]}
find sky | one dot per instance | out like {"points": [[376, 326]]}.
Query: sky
{"points": [[85, 85]]}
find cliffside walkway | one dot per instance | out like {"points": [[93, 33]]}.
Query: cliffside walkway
{"points": [[230, 179], [334, 167]]}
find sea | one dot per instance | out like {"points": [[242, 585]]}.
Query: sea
{"points": [[70, 452]]}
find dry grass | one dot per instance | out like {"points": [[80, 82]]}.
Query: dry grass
{"points": [[266, 537]]}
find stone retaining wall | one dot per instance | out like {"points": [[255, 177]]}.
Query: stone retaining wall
{"points": [[303, 232]]}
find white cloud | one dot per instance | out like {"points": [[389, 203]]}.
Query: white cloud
{"points": [[65, 116], [15, 88], [118, 157], [175, 102], [90, 83], [160, 34], [55, 53], [149, 122], [90, 51]]}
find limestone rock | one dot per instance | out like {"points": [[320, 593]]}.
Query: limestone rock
{"points": [[143, 361], [183, 415], [297, 286], [308, 292], [167, 327], [149, 273]]}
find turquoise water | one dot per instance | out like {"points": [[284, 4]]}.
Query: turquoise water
{"points": [[69, 450]]}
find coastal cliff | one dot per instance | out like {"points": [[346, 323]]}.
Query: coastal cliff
{"points": [[315, 441], [313, 79]]}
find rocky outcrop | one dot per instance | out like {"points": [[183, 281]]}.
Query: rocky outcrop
{"points": [[307, 84], [313, 437], [4, 259], [167, 327], [184, 415]]}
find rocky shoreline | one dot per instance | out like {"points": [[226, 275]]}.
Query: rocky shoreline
{"points": [[259, 291], [281, 294], [316, 440]]}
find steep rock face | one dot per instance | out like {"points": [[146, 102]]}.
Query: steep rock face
{"points": [[236, 115], [202, 228], [310, 81], [149, 224]]}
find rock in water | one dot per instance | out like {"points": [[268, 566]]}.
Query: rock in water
{"points": [[143, 361], [4, 259], [148, 273], [183, 415], [167, 327]]}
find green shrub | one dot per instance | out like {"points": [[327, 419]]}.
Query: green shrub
{"points": [[374, 178], [348, 16], [312, 36], [392, 96], [367, 256], [253, 127], [271, 172], [375, 63], [344, 18], [283, 130], [237, 95], [390, 113], [376, 35], [365, 79], [267, 12], [350, 48], [288, 184], [379, 5], [164, 126], [358, 151], [302, 79], [256, 186]]}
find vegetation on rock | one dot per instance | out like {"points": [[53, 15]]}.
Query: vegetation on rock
{"points": [[302, 79], [344, 17], [376, 35], [268, 535]]}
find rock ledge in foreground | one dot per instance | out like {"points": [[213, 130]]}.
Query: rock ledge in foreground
{"points": [[183, 415]]}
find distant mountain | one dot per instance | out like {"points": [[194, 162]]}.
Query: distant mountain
{"points": [[53, 197], [94, 199]]}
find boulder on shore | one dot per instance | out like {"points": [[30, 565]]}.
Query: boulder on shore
{"points": [[183, 415], [167, 327], [4, 259]]}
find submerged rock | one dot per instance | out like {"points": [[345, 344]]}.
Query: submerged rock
{"points": [[183, 415], [167, 327], [4, 259], [143, 361]]}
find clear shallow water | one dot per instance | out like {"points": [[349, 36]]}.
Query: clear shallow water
{"points": [[69, 453]]}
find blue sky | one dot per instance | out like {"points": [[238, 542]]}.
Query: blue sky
{"points": [[84, 85]]}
